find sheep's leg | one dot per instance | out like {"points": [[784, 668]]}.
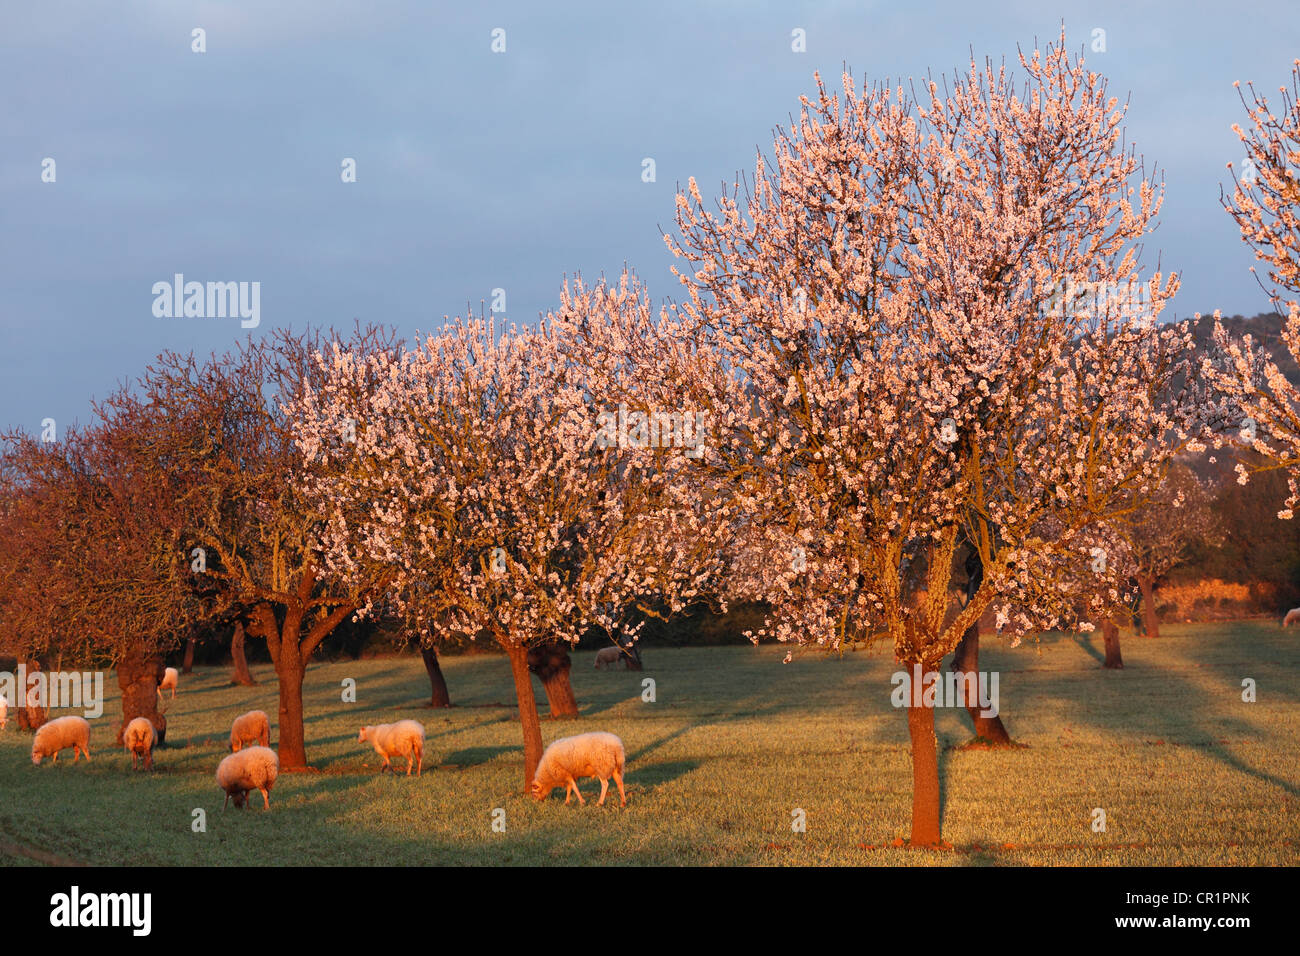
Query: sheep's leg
{"points": [[574, 784], [227, 803], [622, 797], [410, 762], [55, 758], [266, 799], [604, 787]]}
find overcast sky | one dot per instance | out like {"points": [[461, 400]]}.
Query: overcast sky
{"points": [[479, 170]]}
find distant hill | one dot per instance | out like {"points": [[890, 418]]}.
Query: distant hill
{"points": [[1265, 328]]}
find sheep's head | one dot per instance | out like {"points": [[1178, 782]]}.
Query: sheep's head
{"points": [[240, 797], [539, 791], [361, 737], [36, 757]]}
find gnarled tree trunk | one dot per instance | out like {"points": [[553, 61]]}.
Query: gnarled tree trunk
{"points": [[242, 675], [1150, 620], [292, 746], [290, 650], [551, 663], [30, 713], [531, 725], [966, 660], [138, 676], [282, 642], [437, 683], [1110, 636]]}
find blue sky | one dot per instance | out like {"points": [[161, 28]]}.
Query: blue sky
{"points": [[479, 170]]}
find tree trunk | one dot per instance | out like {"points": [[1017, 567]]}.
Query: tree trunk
{"points": [[551, 663], [925, 772], [437, 683], [290, 651], [1150, 622], [1110, 635], [242, 674], [292, 747], [966, 660], [30, 714], [532, 726], [138, 676], [187, 664]]}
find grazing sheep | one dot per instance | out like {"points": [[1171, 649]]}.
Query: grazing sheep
{"points": [[402, 739], [1292, 617], [609, 657], [139, 739], [253, 768], [171, 677], [59, 734], [598, 755], [250, 728]]}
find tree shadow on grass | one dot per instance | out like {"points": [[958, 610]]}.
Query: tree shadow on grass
{"points": [[645, 749], [1172, 704], [651, 776], [474, 756], [1084, 642]]}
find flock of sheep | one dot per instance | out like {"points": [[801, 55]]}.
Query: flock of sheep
{"points": [[253, 765]]}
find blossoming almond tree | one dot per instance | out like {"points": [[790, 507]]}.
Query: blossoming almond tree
{"points": [[476, 481], [899, 298], [1253, 393], [1090, 586], [1162, 533], [221, 433]]}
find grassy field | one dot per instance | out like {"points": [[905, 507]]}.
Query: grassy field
{"points": [[1186, 772]]}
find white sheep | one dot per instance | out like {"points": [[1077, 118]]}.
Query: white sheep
{"points": [[598, 755], [402, 739], [609, 657], [60, 734], [171, 677], [253, 768], [1292, 617], [252, 727], [139, 739]]}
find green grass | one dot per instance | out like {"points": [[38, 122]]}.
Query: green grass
{"points": [[1187, 772]]}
